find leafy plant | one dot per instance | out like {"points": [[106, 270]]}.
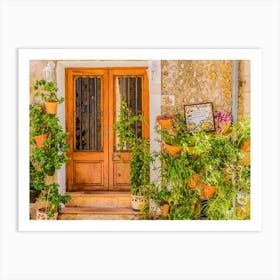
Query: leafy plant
{"points": [[241, 131], [139, 148], [38, 119], [163, 196], [47, 91], [53, 199]]}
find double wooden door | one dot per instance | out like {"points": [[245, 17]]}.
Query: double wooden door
{"points": [[93, 98]]}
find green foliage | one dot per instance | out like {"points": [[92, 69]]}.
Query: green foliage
{"points": [[38, 120], [124, 127], [49, 158], [139, 148], [241, 131], [47, 91], [53, 154], [185, 204], [37, 178], [53, 198], [216, 157]]}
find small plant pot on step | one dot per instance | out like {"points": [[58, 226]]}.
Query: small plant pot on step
{"points": [[39, 139], [51, 107], [41, 214], [137, 202]]}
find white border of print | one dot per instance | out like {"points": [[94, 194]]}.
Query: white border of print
{"points": [[254, 55]]}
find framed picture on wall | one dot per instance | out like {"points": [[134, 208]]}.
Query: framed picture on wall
{"points": [[199, 117]]}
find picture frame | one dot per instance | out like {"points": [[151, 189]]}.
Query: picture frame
{"points": [[199, 116]]}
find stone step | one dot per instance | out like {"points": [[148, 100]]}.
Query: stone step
{"points": [[98, 213], [100, 199]]}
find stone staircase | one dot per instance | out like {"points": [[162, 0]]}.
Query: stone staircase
{"points": [[99, 206]]}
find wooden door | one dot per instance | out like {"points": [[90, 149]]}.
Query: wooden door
{"points": [[93, 97]]}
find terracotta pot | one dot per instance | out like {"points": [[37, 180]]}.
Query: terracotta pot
{"points": [[208, 191], [166, 121], [164, 210], [193, 181], [172, 149], [246, 146], [137, 202], [39, 139], [51, 107], [41, 214]]}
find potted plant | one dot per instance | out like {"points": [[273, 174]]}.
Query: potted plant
{"points": [[50, 194], [140, 154], [166, 120], [48, 92], [53, 154], [241, 138], [185, 204], [38, 124], [162, 200], [37, 182]]}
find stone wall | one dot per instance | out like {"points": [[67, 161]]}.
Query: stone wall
{"points": [[37, 73], [196, 81]]}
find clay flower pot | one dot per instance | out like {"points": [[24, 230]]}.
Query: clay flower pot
{"points": [[208, 191], [39, 139], [166, 121], [246, 146], [41, 214], [51, 107], [137, 202], [173, 150], [193, 181]]}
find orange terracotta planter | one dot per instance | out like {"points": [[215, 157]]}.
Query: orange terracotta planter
{"points": [[208, 191], [246, 146], [51, 107], [166, 121], [193, 181], [173, 150], [39, 139]]}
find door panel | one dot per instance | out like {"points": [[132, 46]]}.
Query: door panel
{"points": [[130, 85], [93, 99], [86, 123]]}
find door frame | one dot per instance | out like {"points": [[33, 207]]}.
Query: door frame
{"points": [[154, 95]]}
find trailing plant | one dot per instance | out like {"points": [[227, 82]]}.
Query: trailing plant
{"points": [[47, 159], [53, 199], [139, 148], [184, 204], [241, 132], [47, 91], [53, 155], [38, 120]]}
